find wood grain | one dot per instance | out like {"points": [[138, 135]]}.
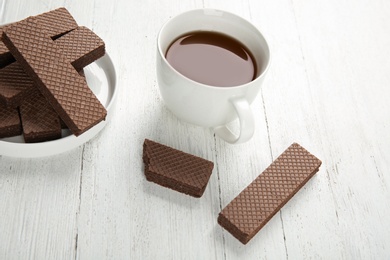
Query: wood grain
{"points": [[327, 89]]}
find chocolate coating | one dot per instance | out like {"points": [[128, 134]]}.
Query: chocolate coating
{"points": [[246, 214]]}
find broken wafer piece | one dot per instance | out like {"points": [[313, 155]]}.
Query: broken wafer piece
{"points": [[175, 169], [9, 122], [56, 23], [80, 46], [246, 214], [66, 91], [39, 121]]}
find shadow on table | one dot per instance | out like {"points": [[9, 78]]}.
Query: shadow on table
{"points": [[257, 247], [167, 194]]}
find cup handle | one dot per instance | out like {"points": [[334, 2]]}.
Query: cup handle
{"points": [[247, 125]]}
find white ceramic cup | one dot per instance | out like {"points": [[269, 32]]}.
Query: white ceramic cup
{"points": [[205, 105]]}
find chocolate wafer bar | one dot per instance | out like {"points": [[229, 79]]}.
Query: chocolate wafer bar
{"points": [[66, 91], [39, 121], [14, 85], [245, 215], [80, 46], [175, 169], [56, 23], [9, 122]]}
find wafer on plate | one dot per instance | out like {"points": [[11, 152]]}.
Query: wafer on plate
{"points": [[80, 46], [56, 23], [9, 122], [39, 121], [54, 76]]}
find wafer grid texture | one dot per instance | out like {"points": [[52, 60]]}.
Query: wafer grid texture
{"points": [[56, 23], [245, 215], [3, 48], [39, 121], [9, 122], [81, 47], [5, 55], [55, 77], [14, 85], [175, 169]]}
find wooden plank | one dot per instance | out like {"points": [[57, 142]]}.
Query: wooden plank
{"points": [[239, 165], [339, 48], [290, 118], [39, 205]]}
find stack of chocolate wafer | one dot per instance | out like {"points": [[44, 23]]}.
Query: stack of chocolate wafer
{"points": [[42, 84]]}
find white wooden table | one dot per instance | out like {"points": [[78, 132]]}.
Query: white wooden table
{"points": [[328, 89]]}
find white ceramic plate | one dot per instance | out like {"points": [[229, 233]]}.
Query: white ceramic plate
{"points": [[101, 78]]}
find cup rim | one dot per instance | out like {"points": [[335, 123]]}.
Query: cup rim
{"points": [[162, 54]]}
